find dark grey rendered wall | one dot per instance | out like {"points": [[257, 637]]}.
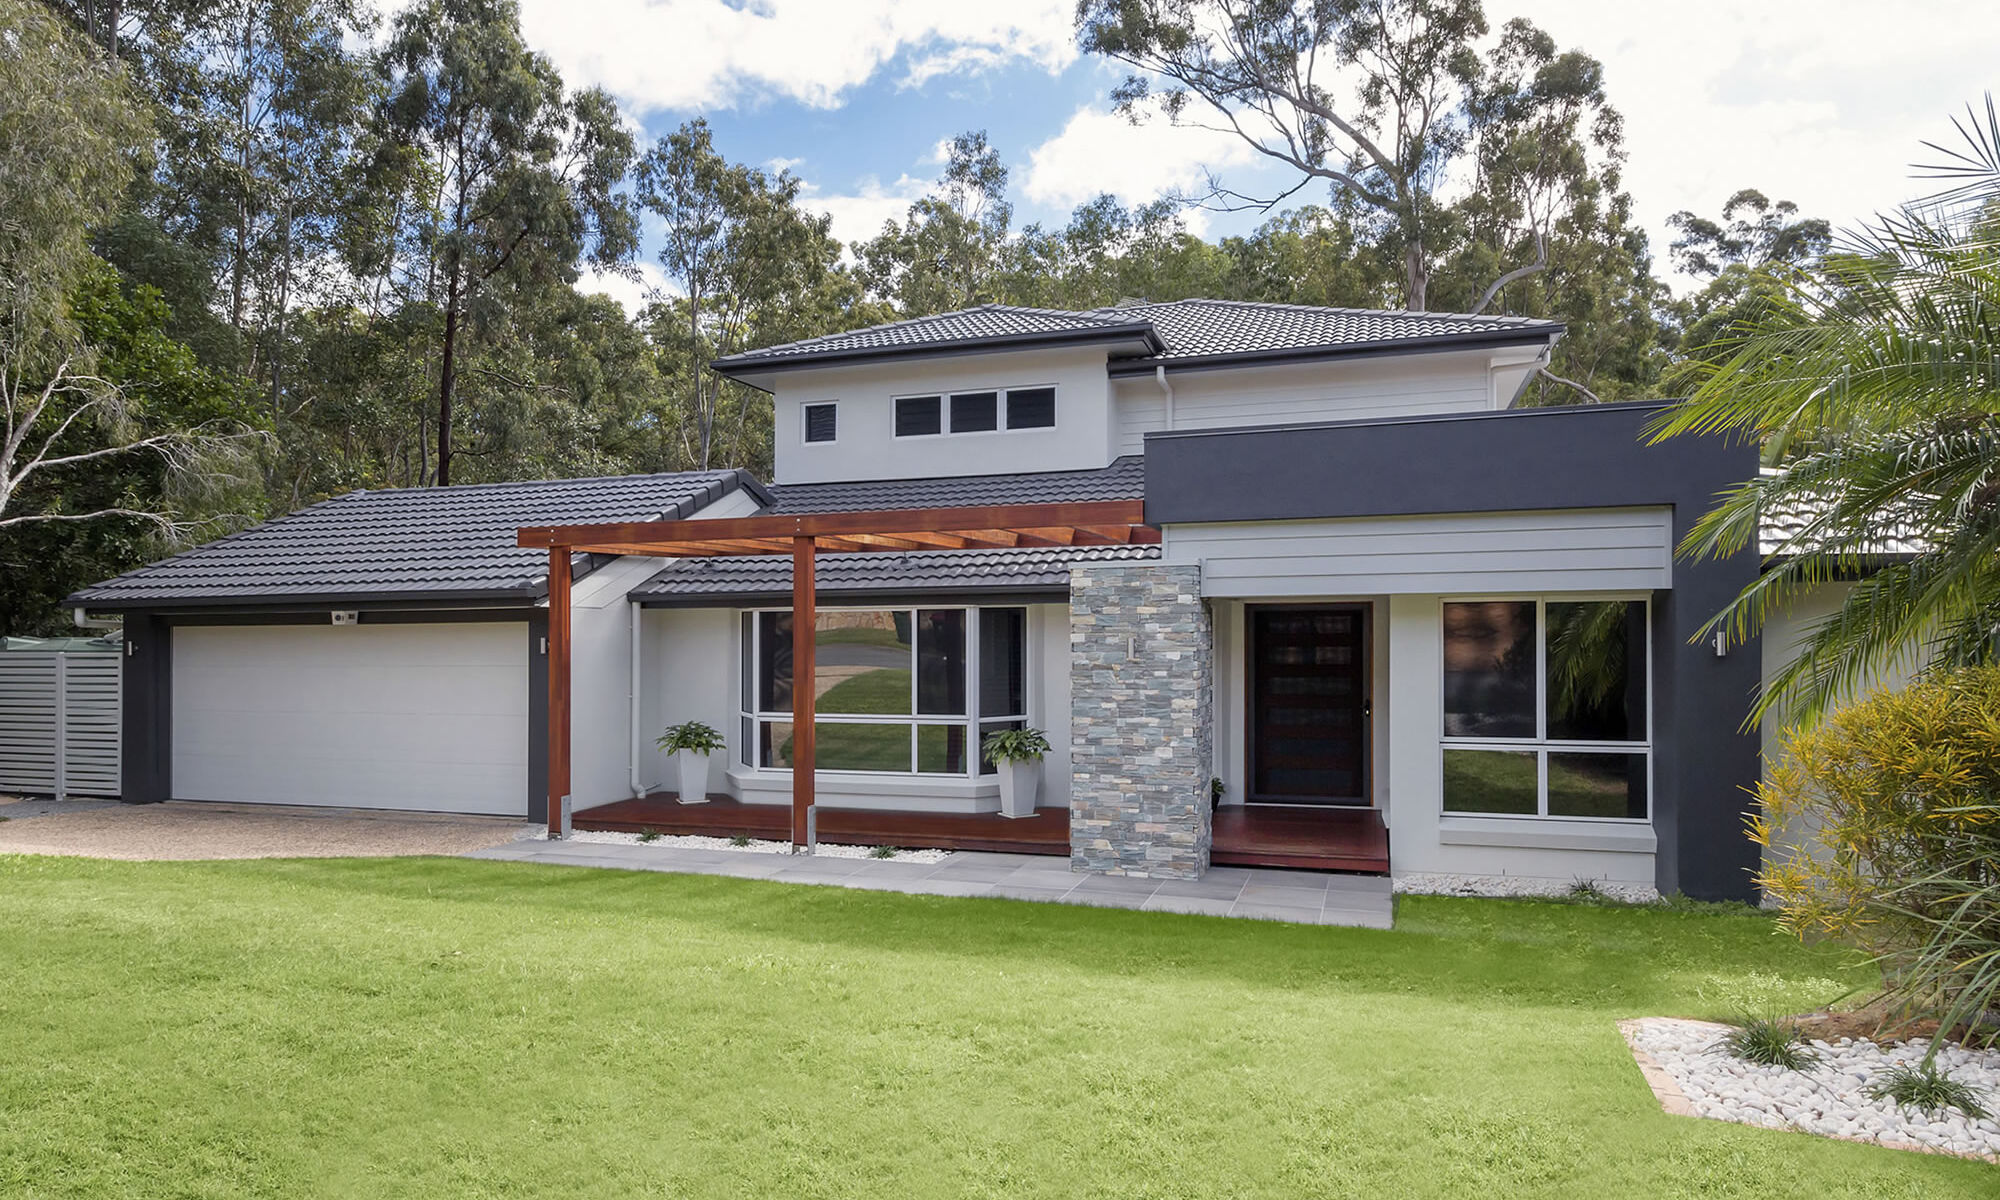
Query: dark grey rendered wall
{"points": [[1548, 458]]}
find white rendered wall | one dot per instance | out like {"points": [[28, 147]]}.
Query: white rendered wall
{"points": [[425, 717], [866, 446], [1422, 840], [1607, 549], [1350, 390], [601, 671]]}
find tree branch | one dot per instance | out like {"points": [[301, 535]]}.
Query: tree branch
{"points": [[1570, 383], [1541, 263]]}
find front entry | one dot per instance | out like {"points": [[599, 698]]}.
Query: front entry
{"points": [[1309, 705]]}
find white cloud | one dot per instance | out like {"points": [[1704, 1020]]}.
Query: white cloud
{"points": [[1821, 102], [633, 294], [1099, 151], [860, 214], [657, 55]]}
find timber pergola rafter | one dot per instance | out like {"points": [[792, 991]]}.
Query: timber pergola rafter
{"points": [[803, 536]]}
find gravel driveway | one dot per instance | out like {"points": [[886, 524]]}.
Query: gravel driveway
{"points": [[178, 830]]}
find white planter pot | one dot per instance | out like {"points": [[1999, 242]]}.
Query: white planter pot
{"points": [[691, 767], [1020, 783]]}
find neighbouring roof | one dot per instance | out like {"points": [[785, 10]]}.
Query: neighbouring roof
{"points": [[1124, 479], [414, 544], [1179, 333], [971, 574]]}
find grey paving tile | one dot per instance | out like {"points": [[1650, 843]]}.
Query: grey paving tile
{"points": [[1359, 920], [1296, 913], [1370, 884], [1305, 881], [1296, 897], [948, 887], [1236, 874], [984, 858], [1015, 891], [990, 873], [1118, 885], [1203, 888], [1194, 905]]}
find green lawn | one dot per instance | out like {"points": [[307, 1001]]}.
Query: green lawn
{"points": [[447, 1028]]}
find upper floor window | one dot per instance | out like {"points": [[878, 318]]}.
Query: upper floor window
{"points": [[1031, 408], [1546, 708], [821, 425], [976, 412]]}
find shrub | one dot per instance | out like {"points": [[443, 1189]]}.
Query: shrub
{"points": [[649, 834], [882, 852], [740, 840], [1015, 745], [1882, 825], [1928, 1090], [1769, 1042], [690, 735]]}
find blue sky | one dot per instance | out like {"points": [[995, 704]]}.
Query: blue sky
{"points": [[1823, 102]]}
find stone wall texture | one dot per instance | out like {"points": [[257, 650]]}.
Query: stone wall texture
{"points": [[1141, 686]]}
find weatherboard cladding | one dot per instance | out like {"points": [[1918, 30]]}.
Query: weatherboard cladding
{"points": [[423, 544], [769, 577], [1124, 479], [1188, 331]]}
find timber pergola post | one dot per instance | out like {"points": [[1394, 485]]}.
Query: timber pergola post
{"points": [[1005, 526]]}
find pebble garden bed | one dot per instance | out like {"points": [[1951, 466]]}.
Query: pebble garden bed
{"points": [[1829, 1097]]}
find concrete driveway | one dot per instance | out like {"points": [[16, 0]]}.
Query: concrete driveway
{"points": [[179, 830]]}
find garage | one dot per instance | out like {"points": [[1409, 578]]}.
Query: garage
{"points": [[426, 716]]}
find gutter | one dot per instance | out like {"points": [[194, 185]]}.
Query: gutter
{"points": [[1511, 336], [735, 366]]}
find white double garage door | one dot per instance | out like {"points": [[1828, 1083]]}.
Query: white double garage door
{"points": [[429, 717]]}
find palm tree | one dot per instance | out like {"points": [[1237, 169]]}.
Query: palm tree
{"points": [[1874, 389]]}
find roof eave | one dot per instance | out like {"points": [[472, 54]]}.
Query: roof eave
{"points": [[747, 368], [1512, 336], [526, 595]]}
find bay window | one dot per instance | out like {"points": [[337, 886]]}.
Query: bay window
{"points": [[1546, 708], [907, 691]]}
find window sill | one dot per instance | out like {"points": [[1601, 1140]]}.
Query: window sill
{"points": [[1542, 833]]}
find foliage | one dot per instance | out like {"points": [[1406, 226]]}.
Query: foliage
{"points": [[649, 834], [1882, 828], [1874, 386], [1015, 745], [1924, 1087], [697, 736], [882, 852], [1769, 1042], [740, 840]]}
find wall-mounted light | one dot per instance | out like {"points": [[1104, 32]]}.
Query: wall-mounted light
{"points": [[1721, 643], [346, 616]]}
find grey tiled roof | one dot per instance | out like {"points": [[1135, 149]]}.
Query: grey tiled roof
{"points": [[1207, 328], [984, 323], [409, 543], [1181, 331], [769, 577], [1124, 479]]}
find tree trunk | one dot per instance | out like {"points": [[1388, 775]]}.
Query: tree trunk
{"points": [[446, 379], [1416, 277]]}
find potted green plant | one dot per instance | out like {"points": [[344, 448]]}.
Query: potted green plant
{"points": [[691, 742], [1018, 755]]}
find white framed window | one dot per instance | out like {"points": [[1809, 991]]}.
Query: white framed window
{"points": [[1547, 707], [989, 410], [899, 691], [821, 422]]}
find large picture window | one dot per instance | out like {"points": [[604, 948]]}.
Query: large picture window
{"points": [[1546, 709], [907, 691]]}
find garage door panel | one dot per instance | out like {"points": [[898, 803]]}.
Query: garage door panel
{"points": [[429, 717]]}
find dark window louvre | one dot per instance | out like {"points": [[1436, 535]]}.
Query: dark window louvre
{"points": [[918, 415], [975, 412], [820, 422], [1031, 408]]}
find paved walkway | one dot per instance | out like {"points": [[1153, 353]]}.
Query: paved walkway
{"points": [[1307, 897]]}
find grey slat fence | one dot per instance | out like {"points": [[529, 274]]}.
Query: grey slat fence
{"points": [[59, 728]]}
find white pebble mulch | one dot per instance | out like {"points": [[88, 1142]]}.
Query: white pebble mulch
{"points": [[692, 842], [1830, 1096], [1514, 887]]}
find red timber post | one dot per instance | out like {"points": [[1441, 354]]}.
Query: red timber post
{"points": [[804, 691], [559, 581]]}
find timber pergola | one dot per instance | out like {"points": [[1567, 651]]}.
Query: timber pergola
{"points": [[1094, 523]]}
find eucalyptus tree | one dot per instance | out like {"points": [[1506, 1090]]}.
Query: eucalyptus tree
{"points": [[747, 266], [945, 253], [1745, 260], [1873, 383], [1387, 103], [506, 183]]}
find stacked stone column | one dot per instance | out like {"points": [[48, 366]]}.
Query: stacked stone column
{"points": [[1141, 688]]}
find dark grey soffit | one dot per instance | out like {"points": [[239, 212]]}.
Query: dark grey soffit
{"points": [[1124, 479], [744, 368], [1127, 368]]}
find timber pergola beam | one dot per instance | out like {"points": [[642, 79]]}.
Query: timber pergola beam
{"points": [[803, 536]]}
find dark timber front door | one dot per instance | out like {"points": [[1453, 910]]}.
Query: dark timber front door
{"points": [[1309, 705]]}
